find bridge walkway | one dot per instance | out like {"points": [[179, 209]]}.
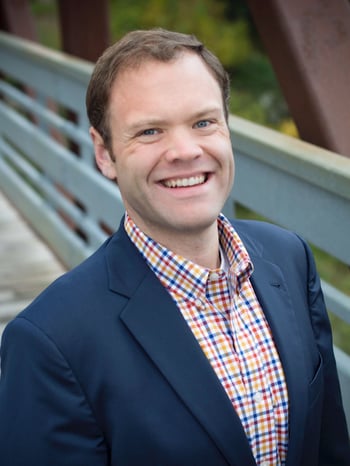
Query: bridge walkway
{"points": [[27, 265]]}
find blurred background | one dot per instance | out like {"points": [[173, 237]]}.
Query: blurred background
{"points": [[225, 26], [303, 43]]}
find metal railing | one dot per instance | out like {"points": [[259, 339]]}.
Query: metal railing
{"points": [[47, 169]]}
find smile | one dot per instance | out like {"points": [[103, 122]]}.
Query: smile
{"points": [[185, 182]]}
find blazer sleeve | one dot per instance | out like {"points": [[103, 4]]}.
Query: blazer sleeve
{"points": [[334, 439], [45, 418]]}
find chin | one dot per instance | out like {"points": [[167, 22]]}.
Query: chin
{"points": [[195, 223]]}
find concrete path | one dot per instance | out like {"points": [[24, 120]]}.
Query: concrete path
{"points": [[27, 265]]}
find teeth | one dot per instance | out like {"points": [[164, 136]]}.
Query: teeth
{"points": [[184, 182]]}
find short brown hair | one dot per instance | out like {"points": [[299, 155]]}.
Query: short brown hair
{"points": [[132, 50]]}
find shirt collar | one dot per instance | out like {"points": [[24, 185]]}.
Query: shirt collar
{"points": [[237, 256], [183, 276]]}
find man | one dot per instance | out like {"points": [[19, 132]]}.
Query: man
{"points": [[183, 340]]}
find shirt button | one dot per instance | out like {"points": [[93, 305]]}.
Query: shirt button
{"points": [[214, 276], [258, 397], [198, 303]]}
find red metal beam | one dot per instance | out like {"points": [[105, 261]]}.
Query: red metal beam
{"points": [[308, 42], [16, 18], [84, 27]]}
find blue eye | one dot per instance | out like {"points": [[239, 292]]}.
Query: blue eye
{"points": [[149, 132], [202, 123]]}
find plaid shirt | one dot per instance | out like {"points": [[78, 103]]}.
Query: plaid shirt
{"points": [[226, 318]]}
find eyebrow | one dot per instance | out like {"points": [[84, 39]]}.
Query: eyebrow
{"points": [[147, 123], [206, 111]]}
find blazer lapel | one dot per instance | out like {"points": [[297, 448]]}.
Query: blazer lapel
{"points": [[157, 324], [273, 295]]}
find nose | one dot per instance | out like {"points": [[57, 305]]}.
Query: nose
{"points": [[182, 145]]}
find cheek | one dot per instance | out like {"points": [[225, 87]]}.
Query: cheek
{"points": [[233, 167], [226, 154], [229, 165], [130, 176]]}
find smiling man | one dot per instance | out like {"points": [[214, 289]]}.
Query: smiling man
{"points": [[170, 152], [186, 339]]}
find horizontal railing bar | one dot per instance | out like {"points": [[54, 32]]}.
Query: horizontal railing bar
{"points": [[313, 164], [56, 200], [290, 201], [39, 56], [24, 168], [343, 366], [52, 84], [82, 180], [64, 242], [336, 301], [28, 103]]}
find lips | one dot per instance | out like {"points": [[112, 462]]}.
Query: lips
{"points": [[185, 182]]}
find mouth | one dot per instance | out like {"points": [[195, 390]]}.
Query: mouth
{"points": [[185, 182]]}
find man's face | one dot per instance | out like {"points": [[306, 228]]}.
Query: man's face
{"points": [[173, 156]]}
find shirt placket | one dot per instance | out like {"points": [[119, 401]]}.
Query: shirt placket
{"points": [[257, 407]]}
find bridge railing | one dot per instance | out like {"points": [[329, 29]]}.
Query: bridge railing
{"points": [[47, 169]]}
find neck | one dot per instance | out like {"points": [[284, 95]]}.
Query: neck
{"points": [[202, 249], [205, 254], [199, 245]]}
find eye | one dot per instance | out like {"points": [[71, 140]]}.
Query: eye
{"points": [[202, 124], [148, 135], [149, 132]]}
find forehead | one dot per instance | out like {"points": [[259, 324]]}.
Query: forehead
{"points": [[158, 92], [163, 94], [184, 69]]}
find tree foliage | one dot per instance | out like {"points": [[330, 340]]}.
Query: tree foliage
{"points": [[204, 18]]}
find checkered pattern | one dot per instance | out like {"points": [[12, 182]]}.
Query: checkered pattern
{"points": [[226, 318]]}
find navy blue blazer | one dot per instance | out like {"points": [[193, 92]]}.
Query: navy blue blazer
{"points": [[102, 369]]}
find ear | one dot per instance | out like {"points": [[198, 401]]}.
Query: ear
{"points": [[102, 155]]}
